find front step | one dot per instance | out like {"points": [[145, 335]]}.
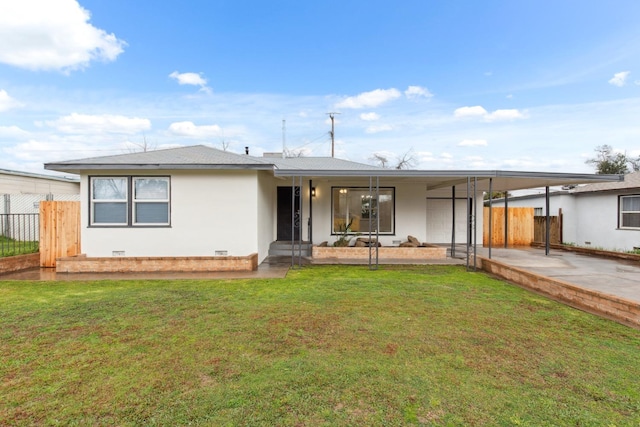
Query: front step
{"points": [[284, 248]]}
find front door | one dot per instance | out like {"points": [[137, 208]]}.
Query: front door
{"points": [[286, 204]]}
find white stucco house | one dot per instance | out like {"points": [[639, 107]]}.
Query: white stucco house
{"points": [[603, 215], [198, 201]]}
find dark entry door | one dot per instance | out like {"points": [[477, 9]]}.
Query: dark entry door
{"points": [[285, 204]]}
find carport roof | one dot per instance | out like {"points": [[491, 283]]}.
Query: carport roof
{"points": [[201, 157]]}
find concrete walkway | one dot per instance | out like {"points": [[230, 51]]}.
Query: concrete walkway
{"points": [[620, 278], [265, 270]]}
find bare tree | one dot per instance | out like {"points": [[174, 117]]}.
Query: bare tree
{"points": [[294, 152], [407, 160], [404, 161], [380, 159], [143, 146]]}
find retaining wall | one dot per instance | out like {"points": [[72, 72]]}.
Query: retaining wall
{"points": [[83, 264], [384, 252], [19, 262]]}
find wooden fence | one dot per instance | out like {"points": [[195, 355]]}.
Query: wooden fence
{"points": [[520, 225], [555, 229], [59, 231]]}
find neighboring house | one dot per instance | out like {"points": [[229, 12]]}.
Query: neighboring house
{"points": [[21, 192], [601, 215], [198, 201]]}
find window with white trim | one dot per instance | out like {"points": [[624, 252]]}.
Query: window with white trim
{"points": [[129, 201], [630, 211]]}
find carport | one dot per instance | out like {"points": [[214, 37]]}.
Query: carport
{"points": [[469, 185]]}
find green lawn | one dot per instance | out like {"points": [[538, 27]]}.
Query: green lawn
{"points": [[11, 247], [325, 346]]}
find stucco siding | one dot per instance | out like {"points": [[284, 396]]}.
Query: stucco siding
{"points": [[266, 215], [599, 228], [211, 213]]}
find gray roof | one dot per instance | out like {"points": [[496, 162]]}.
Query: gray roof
{"points": [[320, 163], [203, 157], [73, 179], [207, 158], [191, 157], [631, 181]]}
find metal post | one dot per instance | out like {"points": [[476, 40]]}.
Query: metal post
{"points": [[310, 212], [377, 219], [453, 221], [490, 215], [293, 219], [468, 221], [300, 224], [475, 223], [506, 219], [548, 222], [370, 213]]}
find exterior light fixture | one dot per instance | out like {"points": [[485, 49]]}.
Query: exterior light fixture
{"points": [[313, 191]]}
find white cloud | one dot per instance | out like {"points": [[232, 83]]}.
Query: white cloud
{"points": [[417, 92], [476, 111], [191, 130], [473, 143], [369, 117], [619, 79], [85, 123], [52, 35], [497, 115], [7, 102], [500, 115], [13, 131], [369, 99], [193, 79], [378, 128]]}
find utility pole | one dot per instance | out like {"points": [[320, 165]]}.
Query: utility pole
{"points": [[332, 133], [284, 140]]}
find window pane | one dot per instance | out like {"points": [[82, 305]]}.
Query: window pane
{"points": [[109, 213], [361, 212], [631, 220], [151, 189], [152, 213], [109, 188], [631, 203]]}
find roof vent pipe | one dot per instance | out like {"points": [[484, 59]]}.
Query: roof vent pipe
{"points": [[246, 150]]}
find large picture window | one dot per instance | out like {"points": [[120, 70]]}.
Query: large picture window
{"points": [[356, 210], [129, 201], [629, 211]]}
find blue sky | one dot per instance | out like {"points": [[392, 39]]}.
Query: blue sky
{"points": [[514, 85]]}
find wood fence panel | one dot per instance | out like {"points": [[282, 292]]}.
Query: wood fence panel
{"points": [[520, 223], [59, 231], [555, 234]]}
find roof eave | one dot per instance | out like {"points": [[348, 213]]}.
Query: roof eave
{"points": [[73, 168]]}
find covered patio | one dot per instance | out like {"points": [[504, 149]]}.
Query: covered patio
{"points": [[460, 193]]}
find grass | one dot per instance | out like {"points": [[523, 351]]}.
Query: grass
{"points": [[326, 346], [11, 247]]}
